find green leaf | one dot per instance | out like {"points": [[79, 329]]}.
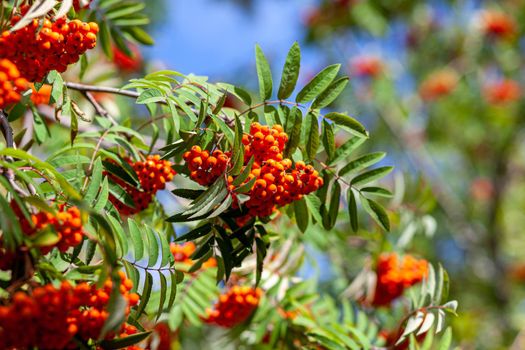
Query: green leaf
{"points": [[446, 340], [290, 72], [246, 187], [264, 73], [102, 199], [238, 149], [330, 94], [377, 191], [220, 103], [105, 38], [261, 254], [120, 343], [362, 163], [318, 84], [335, 199], [314, 206], [352, 210], [122, 171], [341, 119], [150, 96], [294, 134], [153, 246], [163, 291], [347, 148], [245, 173], [40, 128], [376, 212], [301, 214], [312, 134], [187, 193], [139, 35], [146, 293], [173, 290], [328, 139], [196, 233], [371, 175], [137, 240]]}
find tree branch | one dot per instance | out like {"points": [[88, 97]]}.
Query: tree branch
{"points": [[7, 131], [106, 89], [98, 107]]}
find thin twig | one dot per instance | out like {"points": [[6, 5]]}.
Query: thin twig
{"points": [[7, 131], [107, 89], [9, 174], [98, 107]]}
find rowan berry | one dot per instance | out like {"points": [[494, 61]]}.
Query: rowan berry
{"points": [[11, 84], [234, 307], [66, 223], [182, 254], [153, 174], [36, 50], [206, 169], [438, 84], [497, 24], [276, 183], [502, 92], [366, 66], [395, 274], [42, 96]]}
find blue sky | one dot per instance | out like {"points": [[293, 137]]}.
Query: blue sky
{"points": [[210, 37]]}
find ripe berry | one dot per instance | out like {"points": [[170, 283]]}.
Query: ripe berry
{"points": [[183, 252], [37, 51], [234, 307], [276, 183], [42, 96], [394, 275], [67, 223], [11, 84], [153, 173]]}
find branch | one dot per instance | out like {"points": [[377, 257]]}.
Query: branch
{"points": [[87, 89], [98, 107], [7, 131], [94, 88]]}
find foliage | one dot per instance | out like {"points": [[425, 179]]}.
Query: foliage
{"points": [[111, 158]]}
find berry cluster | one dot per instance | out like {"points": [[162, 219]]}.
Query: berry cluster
{"points": [[206, 168], [67, 223], [394, 275], [90, 309], [497, 24], [277, 182], [50, 317], [502, 92], [11, 83], [234, 307], [182, 253], [438, 84], [153, 173], [42, 96], [41, 47], [366, 66]]}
